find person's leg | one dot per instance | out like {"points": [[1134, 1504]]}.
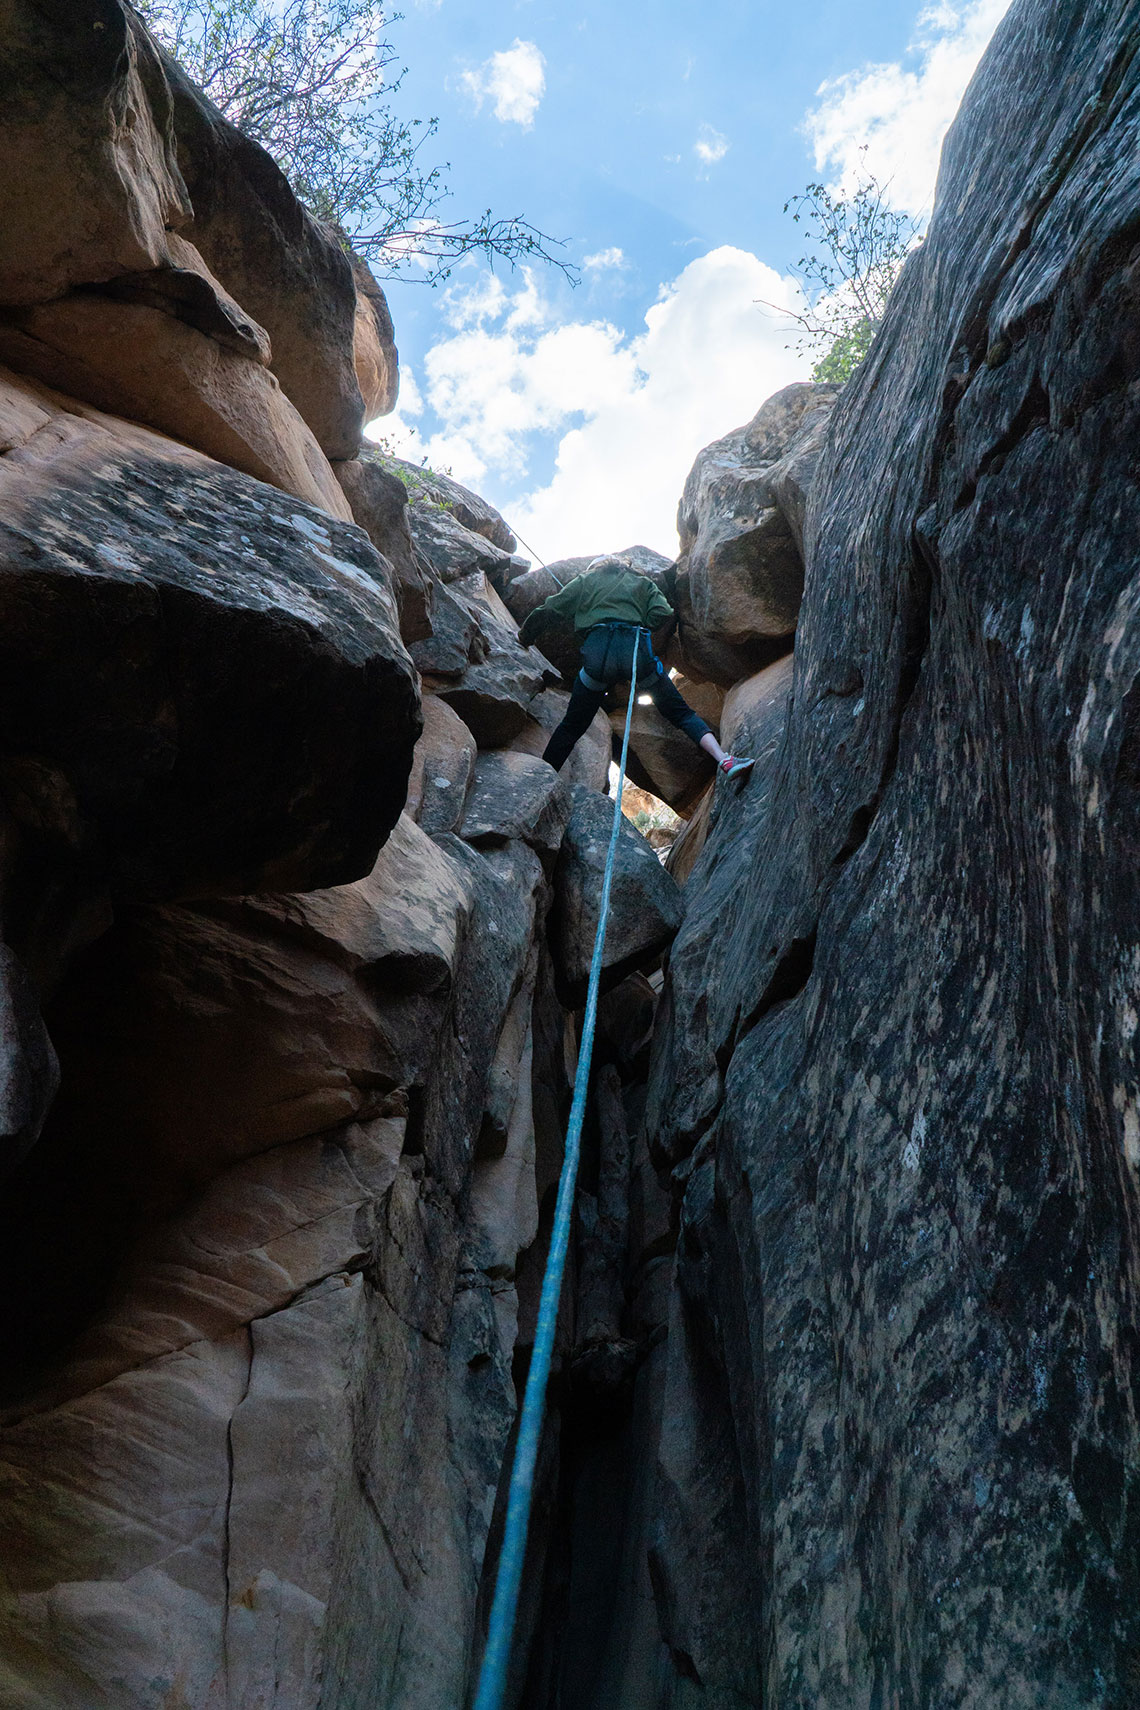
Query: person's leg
{"points": [[671, 704], [576, 721]]}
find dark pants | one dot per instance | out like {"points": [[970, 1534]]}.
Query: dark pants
{"points": [[611, 653]]}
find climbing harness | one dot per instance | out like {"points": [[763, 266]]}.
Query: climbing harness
{"points": [[497, 1656]]}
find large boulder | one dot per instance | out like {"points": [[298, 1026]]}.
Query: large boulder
{"points": [[516, 796], [379, 502], [290, 272], [110, 303], [744, 569], [141, 358], [375, 357], [431, 490], [91, 186], [248, 716], [645, 907], [901, 1082], [741, 563]]}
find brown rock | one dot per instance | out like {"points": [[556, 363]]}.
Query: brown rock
{"points": [[379, 503], [290, 272], [220, 1031], [375, 356], [741, 560], [748, 707], [691, 838], [91, 183], [248, 717], [441, 768], [145, 363], [514, 795]]}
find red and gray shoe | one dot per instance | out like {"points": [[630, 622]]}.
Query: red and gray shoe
{"points": [[734, 764]]}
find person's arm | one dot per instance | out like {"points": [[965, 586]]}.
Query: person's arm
{"points": [[563, 604], [658, 611]]}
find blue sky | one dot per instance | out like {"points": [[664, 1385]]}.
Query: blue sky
{"points": [[661, 140]]}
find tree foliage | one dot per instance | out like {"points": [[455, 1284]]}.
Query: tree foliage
{"points": [[312, 81], [856, 245]]}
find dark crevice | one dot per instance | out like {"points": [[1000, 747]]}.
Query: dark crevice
{"points": [[1032, 413]]}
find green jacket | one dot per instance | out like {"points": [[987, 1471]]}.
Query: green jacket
{"points": [[608, 596]]}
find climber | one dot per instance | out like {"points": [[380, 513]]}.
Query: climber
{"points": [[614, 610]]}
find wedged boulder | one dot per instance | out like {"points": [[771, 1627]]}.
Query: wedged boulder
{"points": [[375, 357], [432, 491], [790, 478], [248, 718], [91, 185], [645, 907], [285, 268], [708, 659], [589, 761], [379, 502], [514, 795], [452, 550], [145, 361], [740, 560], [442, 765], [493, 687]]}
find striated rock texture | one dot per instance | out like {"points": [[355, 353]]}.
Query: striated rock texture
{"points": [[899, 1456]]}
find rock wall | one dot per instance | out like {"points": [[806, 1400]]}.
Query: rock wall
{"points": [[294, 919], [895, 1076], [295, 923]]}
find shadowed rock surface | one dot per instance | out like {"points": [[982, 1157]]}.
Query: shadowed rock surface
{"points": [[843, 1413], [899, 1458], [249, 714]]}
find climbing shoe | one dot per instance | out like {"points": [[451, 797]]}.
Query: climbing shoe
{"points": [[733, 765]]}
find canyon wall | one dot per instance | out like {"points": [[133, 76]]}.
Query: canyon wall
{"points": [[295, 922], [895, 1074]]}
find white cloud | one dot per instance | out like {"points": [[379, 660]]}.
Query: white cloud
{"points": [[606, 259], [515, 80], [630, 414], [711, 146], [901, 110]]}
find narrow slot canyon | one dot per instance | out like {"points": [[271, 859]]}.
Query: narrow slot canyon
{"points": [[296, 926]]}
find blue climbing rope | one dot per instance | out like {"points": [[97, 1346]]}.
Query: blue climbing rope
{"points": [[497, 1656]]}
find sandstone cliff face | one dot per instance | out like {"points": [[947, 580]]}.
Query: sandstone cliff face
{"points": [[285, 1039], [295, 922]]}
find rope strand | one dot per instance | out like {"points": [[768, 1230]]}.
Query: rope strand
{"points": [[497, 1656]]}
